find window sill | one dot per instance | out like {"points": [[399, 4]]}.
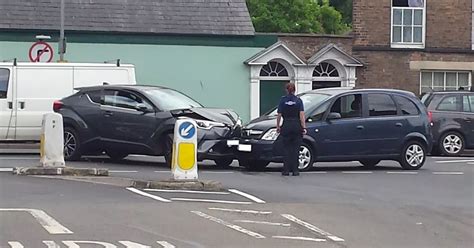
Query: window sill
{"points": [[407, 46]]}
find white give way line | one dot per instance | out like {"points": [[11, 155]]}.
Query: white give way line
{"points": [[312, 228], [48, 223], [454, 161], [76, 244]]}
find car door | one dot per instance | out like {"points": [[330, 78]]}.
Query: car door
{"points": [[124, 125], [385, 128], [468, 118], [7, 114], [342, 137]]}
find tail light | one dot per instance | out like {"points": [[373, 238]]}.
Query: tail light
{"points": [[57, 105], [430, 117]]}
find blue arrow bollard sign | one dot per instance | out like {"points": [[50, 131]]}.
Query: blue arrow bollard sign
{"points": [[187, 130]]}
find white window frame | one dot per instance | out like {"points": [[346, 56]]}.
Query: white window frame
{"points": [[472, 25], [412, 44], [444, 80]]}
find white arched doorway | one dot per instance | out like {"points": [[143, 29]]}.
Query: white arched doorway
{"points": [[273, 77]]}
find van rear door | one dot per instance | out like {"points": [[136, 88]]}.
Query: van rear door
{"points": [[6, 104], [36, 90]]}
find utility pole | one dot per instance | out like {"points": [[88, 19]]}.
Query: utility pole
{"points": [[62, 41]]}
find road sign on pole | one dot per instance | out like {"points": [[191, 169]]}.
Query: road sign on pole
{"points": [[184, 158], [41, 52]]}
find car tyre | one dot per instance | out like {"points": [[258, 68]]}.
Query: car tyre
{"points": [[370, 163], [72, 145], [451, 144], [115, 155], [306, 158], [413, 155], [223, 162], [254, 165]]}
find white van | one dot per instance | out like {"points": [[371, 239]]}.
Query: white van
{"points": [[28, 90]]}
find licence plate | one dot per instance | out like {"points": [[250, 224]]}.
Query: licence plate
{"points": [[232, 143], [245, 148]]}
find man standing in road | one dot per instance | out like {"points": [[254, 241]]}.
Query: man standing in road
{"points": [[294, 126]]}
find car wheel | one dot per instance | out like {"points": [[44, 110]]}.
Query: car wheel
{"points": [[306, 158], [72, 145], [370, 163], [223, 162], [116, 156], [451, 144], [254, 165], [413, 156]]}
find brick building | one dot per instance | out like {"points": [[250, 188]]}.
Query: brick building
{"points": [[416, 45]]}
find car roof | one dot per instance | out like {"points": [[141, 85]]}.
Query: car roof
{"points": [[121, 86], [342, 90]]}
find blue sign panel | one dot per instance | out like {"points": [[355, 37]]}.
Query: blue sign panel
{"points": [[187, 130]]}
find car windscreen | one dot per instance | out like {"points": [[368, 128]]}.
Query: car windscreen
{"points": [[168, 99], [310, 102]]}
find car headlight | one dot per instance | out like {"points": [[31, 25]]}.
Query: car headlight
{"points": [[208, 124], [271, 134]]}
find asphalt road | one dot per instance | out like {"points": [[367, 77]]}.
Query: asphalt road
{"points": [[334, 205]]}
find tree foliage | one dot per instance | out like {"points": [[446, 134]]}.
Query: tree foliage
{"points": [[296, 16], [345, 7]]}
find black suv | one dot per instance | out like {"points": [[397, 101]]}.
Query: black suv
{"points": [[452, 115], [123, 120]]}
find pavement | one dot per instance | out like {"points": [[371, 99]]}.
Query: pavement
{"points": [[334, 205]]}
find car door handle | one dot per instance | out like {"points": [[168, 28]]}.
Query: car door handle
{"points": [[22, 105], [398, 124], [10, 105], [108, 113], [360, 127]]}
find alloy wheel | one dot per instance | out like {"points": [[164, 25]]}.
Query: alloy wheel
{"points": [[452, 144], [70, 144], [304, 158], [414, 155]]}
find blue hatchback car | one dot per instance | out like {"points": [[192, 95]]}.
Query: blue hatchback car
{"points": [[366, 125]]}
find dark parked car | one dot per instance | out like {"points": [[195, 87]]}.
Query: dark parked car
{"points": [[452, 115], [123, 120], [348, 125]]}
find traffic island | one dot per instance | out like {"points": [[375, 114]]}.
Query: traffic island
{"points": [[61, 171], [206, 185]]}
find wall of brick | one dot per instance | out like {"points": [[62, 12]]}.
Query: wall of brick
{"points": [[448, 23], [371, 22], [308, 45], [391, 69]]}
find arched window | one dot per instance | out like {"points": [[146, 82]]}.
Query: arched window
{"points": [[273, 69], [325, 69]]}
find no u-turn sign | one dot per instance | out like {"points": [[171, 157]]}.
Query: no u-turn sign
{"points": [[41, 52]]}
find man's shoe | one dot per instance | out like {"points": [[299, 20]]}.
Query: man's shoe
{"points": [[285, 174], [296, 173]]}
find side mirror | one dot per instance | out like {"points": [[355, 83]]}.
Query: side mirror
{"points": [[142, 107], [334, 116]]}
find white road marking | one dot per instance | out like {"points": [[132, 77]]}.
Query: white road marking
{"points": [[229, 225], [217, 172], [312, 228], [51, 244], [448, 173], [134, 190], [263, 223], [471, 163], [122, 171], [75, 244], [48, 223], [165, 244], [357, 172], [299, 238], [241, 211], [207, 200], [163, 172], [6, 169], [316, 172], [246, 195], [15, 244], [403, 172], [187, 191], [454, 161]]}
